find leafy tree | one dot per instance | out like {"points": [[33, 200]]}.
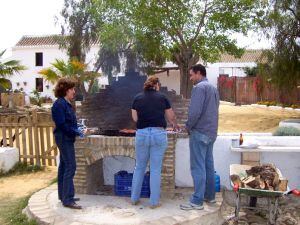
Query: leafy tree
{"points": [[282, 24], [251, 71], [7, 69], [78, 28], [72, 69], [186, 30]]}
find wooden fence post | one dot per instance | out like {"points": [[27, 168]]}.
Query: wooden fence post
{"points": [[36, 137]]}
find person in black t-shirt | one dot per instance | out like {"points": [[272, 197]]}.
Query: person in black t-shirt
{"points": [[149, 110]]}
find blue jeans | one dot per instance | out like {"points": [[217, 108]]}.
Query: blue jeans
{"points": [[150, 143], [66, 169], [202, 167]]}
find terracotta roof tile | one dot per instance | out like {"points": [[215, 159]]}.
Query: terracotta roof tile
{"points": [[248, 56], [45, 40], [38, 40]]}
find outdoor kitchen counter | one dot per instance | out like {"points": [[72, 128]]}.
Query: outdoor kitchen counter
{"points": [[268, 149]]}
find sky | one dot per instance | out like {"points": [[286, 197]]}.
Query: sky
{"points": [[27, 17], [37, 17]]}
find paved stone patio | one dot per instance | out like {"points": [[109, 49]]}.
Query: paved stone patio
{"points": [[45, 207]]}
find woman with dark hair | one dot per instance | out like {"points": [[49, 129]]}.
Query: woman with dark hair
{"points": [[149, 110], [65, 132]]}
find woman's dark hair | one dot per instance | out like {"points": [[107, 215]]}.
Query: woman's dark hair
{"points": [[199, 68], [62, 86], [151, 82]]}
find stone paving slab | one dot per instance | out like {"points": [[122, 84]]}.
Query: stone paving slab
{"points": [[45, 207]]}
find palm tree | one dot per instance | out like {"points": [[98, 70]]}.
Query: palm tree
{"points": [[7, 69], [71, 69]]}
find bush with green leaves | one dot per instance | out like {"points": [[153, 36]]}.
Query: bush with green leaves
{"points": [[287, 131]]}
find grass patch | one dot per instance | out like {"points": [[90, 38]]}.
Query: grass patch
{"points": [[287, 131], [11, 212], [21, 168], [54, 181]]}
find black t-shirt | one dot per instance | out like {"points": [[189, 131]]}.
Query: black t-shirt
{"points": [[150, 106]]}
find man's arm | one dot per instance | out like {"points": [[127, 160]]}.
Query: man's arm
{"points": [[196, 107], [134, 115]]}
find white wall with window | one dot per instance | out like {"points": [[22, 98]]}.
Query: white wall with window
{"points": [[36, 58]]}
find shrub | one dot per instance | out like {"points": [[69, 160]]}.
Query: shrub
{"points": [[287, 131]]}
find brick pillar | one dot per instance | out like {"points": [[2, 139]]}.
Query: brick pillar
{"points": [[168, 170], [251, 158], [81, 164], [88, 178]]}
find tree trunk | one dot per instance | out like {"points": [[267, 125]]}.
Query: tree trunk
{"points": [[185, 84], [187, 60]]}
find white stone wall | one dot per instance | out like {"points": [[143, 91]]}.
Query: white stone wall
{"points": [[8, 158], [286, 161]]}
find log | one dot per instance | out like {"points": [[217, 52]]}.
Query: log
{"points": [[283, 182]]}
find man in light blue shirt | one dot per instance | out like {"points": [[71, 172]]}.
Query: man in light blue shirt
{"points": [[202, 126]]}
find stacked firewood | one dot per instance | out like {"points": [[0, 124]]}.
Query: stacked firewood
{"points": [[263, 177]]}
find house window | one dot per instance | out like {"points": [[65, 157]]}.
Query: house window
{"points": [[38, 59], [39, 84]]}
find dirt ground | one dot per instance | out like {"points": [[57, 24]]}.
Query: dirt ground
{"points": [[14, 188], [251, 119], [18, 186], [232, 119]]}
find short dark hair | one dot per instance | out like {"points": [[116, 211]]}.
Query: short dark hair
{"points": [[200, 68], [62, 86]]}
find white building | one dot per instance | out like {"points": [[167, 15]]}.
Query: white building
{"points": [[38, 52], [227, 64]]}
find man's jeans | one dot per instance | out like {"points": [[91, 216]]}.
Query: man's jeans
{"points": [[150, 143], [66, 169], [202, 167]]}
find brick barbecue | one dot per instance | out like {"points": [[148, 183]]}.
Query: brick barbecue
{"points": [[110, 110], [91, 151]]}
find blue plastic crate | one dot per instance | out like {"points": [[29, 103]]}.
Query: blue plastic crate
{"points": [[123, 183]]}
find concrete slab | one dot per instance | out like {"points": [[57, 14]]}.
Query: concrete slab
{"points": [[99, 209]]}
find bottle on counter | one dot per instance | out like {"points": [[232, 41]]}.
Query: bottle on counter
{"points": [[241, 139]]}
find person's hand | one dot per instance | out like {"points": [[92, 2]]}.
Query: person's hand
{"points": [[176, 128], [186, 130]]}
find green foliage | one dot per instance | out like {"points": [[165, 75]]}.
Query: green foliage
{"points": [[283, 64], [72, 69], [36, 98], [7, 69], [287, 131], [251, 71], [78, 27], [185, 30], [21, 168], [151, 32], [95, 87]]}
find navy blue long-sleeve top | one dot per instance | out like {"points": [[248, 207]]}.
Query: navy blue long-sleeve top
{"points": [[64, 118]]}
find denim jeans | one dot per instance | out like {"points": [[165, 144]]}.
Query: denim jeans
{"points": [[66, 169], [150, 143], [202, 167]]}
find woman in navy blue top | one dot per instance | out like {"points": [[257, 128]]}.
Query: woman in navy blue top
{"points": [[65, 133]]}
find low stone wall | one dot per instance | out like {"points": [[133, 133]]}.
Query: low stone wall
{"points": [[287, 160]]}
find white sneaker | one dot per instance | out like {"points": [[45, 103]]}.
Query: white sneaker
{"points": [[191, 206]]}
